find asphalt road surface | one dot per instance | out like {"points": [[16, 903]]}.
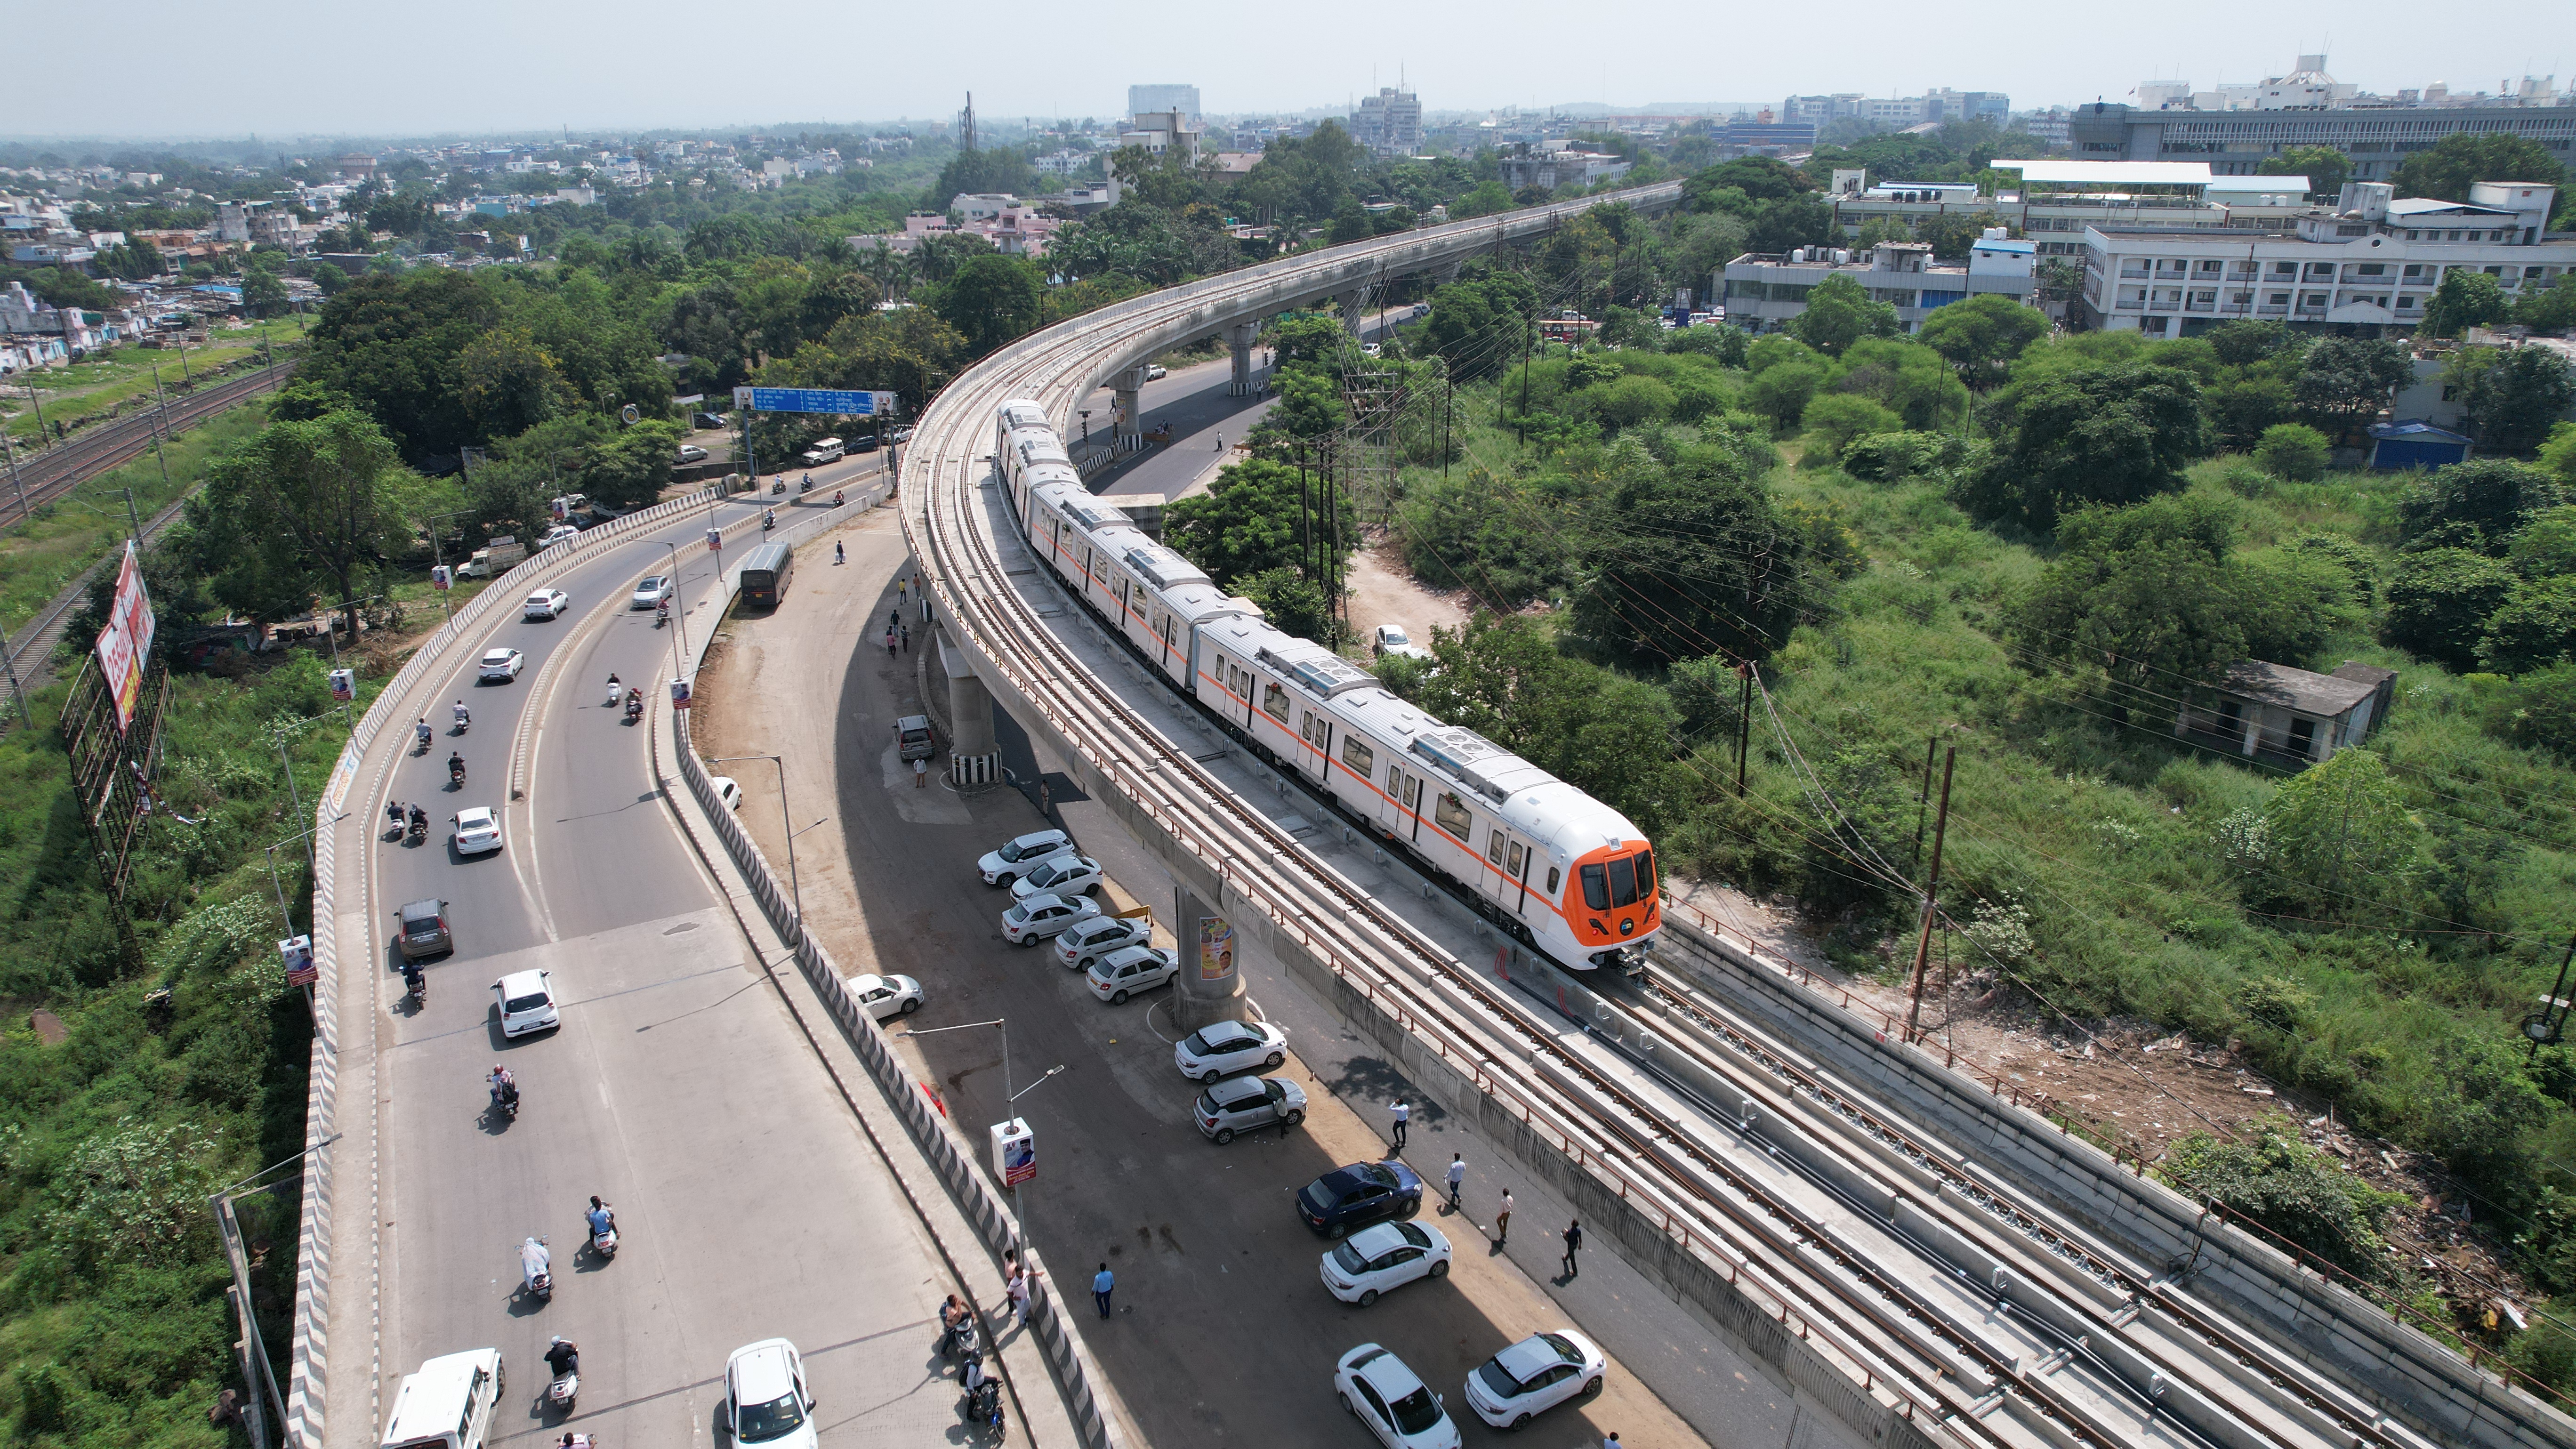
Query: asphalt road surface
{"points": [[678, 1087]]}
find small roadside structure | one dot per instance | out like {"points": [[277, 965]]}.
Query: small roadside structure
{"points": [[2414, 443], [2285, 717]]}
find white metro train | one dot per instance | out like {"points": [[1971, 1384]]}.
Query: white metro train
{"points": [[1559, 869]]}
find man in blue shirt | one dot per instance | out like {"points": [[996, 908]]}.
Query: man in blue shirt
{"points": [[1100, 1286]]}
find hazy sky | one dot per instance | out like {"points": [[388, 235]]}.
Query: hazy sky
{"points": [[281, 68]]}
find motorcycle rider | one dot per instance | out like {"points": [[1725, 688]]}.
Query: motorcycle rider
{"points": [[951, 1314], [505, 1088], [456, 764], [563, 1356], [462, 717], [533, 1259], [661, 615], [616, 687], [601, 1217], [394, 813], [413, 981], [768, 519], [419, 820], [421, 728], [836, 498]]}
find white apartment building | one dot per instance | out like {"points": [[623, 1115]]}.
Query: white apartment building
{"points": [[2061, 200], [1763, 292], [2372, 260], [1389, 123]]}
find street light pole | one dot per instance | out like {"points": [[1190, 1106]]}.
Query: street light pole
{"points": [[1009, 1097], [679, 614]]}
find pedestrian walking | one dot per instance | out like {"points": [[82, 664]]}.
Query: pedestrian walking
{"points": [[921, 774], [907, 638], [1403, 1114], [1503, 1220], [1101, 1284], [893, 618], [1457, 1177], [839, 555], [1018, 1289], [890, 649], [1573, 1245]]}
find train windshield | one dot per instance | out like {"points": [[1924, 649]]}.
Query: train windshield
{"points": [[1623, 881], [1618, 881], [1596, 888]]}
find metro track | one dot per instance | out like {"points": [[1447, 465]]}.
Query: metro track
{"points": [[2061, 1344]]}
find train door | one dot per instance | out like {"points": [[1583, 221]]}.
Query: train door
{"points": [[1317, 730], [1401, 809]]}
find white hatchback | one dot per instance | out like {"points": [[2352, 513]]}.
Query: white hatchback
{"points": [[477, 830], [1398, 1407], [527, 1002], [1033, 920], [1533, 1375], [884, 996], [1131, 971], [545, 604], [1225, 1047], [501, 664], [655, 589], [766, 1399], [1383, 1256]]}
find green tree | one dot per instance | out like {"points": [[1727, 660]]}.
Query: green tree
{"points": [[1907, 378], [1253, 519], [2545, 547], [330, 279], [2538, 709], [2344, 382], [1692, 559], [2548, 309], [1839, 313], [2292, 452], [2534, 628], [1629, 401], [991, 300], [1836, 420], [2092, 435], [1982, 335], [2461, 159], [1292, 602], [1485, 198], [1350, 223], [2474, 505], [2244, 342], [2439, 601], [510, 383], [2466, 299], [2142, 598], [1782, 392], [2340, 834], [263, 295], [1802, 220], [321, 499], [396, 344], [2512, 397], [2326, 168]]}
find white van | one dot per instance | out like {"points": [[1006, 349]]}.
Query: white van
{"points": [[448, 1403], [827, 451]]}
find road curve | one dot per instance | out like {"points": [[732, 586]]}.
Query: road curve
{"points": [[1906, 1360]]}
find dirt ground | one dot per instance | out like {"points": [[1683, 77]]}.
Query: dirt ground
{"points": [[1383, 591]]}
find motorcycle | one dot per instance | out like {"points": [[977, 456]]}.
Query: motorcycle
{"points": [[505, 1100], [456, 776], [965, 1340], [780, 486], [419, 830], [464, 722], [805, 483], [616, 690], [421, 734], [984, 1404], [634, 708], [661, 616], [535, 1279], [603, 1240], [768, 521], [416, 986]]}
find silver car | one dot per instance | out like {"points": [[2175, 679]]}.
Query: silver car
{"points": [[1224, 1047], [1081, 945], [1247, 1104]]}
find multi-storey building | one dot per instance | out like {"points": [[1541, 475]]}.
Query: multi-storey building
{"points": [[2370, 262], [1765, 291], [2058, 200], [1389, 123]]}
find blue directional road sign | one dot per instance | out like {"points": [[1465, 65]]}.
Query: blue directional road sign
{"points": [[814, 400]]}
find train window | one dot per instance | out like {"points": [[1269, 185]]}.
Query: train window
{"points": [[1552, 877], [1519, 858], [1494, 846], [1649, 884], [1453, 816], [1413, 792], [1275, 700], [1596, 887], [1623, 881], [1358, 756]]}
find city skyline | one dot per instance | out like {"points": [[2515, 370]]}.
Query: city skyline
{"points": [[461, 79]]}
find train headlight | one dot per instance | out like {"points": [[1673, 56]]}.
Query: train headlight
{"points": [[1627, 925]]}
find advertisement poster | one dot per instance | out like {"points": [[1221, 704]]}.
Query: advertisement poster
{"points": [[1216, 948], [1015, 1152], [127, 640]]}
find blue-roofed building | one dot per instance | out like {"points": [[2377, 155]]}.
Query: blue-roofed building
{"points": [[2414, 443]]}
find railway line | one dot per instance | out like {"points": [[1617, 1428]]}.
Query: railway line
{"points": [[1934, 1302], [43, 477]]}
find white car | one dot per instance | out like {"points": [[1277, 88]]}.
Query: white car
{"points": [[692, 453], [545, 604], [1033, 920], [1080, 945], [501, 664], [1154, 371], [1224, 1047], [1061, 875], [728, 789], [652, 591], [1015, 857], [766, 1400], [884, 996], [1398, 1407], [558, 534], [1247, 1104], [1131, 971], [527, 1001], [1391, 639], [477, 830], [1382, 1257], [1533, 1375]]}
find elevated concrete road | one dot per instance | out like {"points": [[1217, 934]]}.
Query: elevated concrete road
{"points": [[679, 1087]]}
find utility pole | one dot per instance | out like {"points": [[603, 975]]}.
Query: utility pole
{"points": [[1520, 430], [1448, 423], [1923, 797], [39, 401], [161, 447], [1744, 722], [1931, 889], [21, 483]]}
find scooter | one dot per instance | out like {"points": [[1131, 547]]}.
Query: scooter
{"points": [[661, 616], [634, 708], [964, 1340], [418, 831], [616, 690], [420, 734], [984, 1404], [416, 985], [505, 1100], [534, 1277], [780, 486], [603, 1241], [560, 1393], [456, 776], [768, 521]]}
